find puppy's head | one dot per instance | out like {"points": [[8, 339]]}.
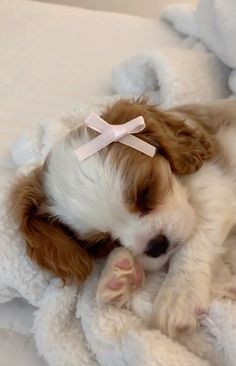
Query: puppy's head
{"points": [[70, 211]]}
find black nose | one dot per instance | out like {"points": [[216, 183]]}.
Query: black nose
{"points": [[157, 246]]}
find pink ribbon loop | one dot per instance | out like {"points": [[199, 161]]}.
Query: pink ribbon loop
{"points": [[114, 133]]}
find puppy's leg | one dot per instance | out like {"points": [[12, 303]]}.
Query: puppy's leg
{"points": [[185, 293], [121, 276], [182, 300]]}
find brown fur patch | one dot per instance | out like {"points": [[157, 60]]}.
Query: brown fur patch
{"points": [[98, 244], [185, 148], [146, 181], [48, 243]]}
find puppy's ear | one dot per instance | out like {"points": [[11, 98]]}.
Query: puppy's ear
{"points": [[48, 243], [186, 147]]}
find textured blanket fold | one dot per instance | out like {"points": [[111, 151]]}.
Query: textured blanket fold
{"points": [[213, 23], [173, 76]]}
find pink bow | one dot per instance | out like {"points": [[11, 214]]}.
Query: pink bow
{"points": [[112, 133]]}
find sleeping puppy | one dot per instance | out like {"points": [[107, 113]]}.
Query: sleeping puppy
{"points": [[178, 206]]}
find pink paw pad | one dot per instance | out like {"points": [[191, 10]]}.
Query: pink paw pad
{"points": [[114, 284], [124, 264], [132, 275], [121, 276], [132, 272]]}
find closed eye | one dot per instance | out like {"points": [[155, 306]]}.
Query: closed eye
{"points": [[146, 212], [145, 200]]}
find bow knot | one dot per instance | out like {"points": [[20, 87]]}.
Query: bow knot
{"points": [[119, 132], [114, 133]]}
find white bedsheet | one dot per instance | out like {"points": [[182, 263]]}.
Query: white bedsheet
{"points": [[52, 58]]}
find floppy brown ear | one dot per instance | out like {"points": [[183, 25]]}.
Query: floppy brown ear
{"points": [[48, 242], [186, 147]]}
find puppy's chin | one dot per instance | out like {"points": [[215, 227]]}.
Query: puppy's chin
{"points": [[153, 264], [150, 264]]}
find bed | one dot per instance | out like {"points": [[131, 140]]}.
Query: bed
{"points": [[53, 57]]}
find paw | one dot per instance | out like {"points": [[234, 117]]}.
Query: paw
{"points": [[179, 308], [121, 276]]}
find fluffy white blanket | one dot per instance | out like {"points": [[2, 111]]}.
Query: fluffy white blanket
{"points": [[213, 23], [69, 328], [173, 76]]}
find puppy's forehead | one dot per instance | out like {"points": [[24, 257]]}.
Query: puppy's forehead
{"points": [[86, 195]]}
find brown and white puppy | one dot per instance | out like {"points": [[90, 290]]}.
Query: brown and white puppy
{"points": [[70, 211]]}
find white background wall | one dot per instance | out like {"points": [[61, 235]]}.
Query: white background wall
{"points": [[145, 8]]}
